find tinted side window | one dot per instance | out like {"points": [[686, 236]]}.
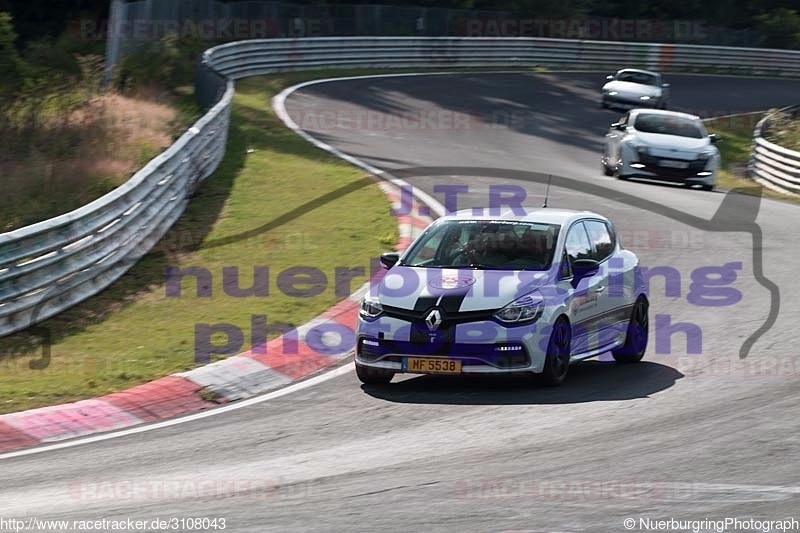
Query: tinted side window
{"points": [[601, 239], [577, 243]]}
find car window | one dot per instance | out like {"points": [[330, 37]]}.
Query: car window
{"points": [[577, 243], [427, 251], [497, 244], [669, 125], [601, 239], [638, 77]]}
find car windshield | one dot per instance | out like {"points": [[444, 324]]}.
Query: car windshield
{"points": [[638, 77], [485, 244], [669, 125]]}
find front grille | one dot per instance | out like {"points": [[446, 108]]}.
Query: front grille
{"points": [[651, 164], [632, 100], [499, 355], [449, 319]]}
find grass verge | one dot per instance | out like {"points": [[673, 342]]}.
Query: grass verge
{"points": [[735, 148], [275, 202]]}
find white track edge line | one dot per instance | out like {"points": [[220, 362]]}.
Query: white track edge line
{"points": [[331, 374]]}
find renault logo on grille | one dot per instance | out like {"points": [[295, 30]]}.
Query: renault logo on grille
{"points": [[434, 320]]}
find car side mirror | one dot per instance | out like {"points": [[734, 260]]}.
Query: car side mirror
{"points": [[389, 259], [610, 77], [714, 138], [665, 85], [582, 268]]}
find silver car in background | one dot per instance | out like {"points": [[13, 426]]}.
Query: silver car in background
{"points": [[663, 145], [635, 88]]}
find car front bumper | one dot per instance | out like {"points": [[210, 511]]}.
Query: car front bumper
{"points": [[624, 102], [482, 347], [696, 172]]}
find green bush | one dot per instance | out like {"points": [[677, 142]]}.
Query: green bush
{"points": [[780, 28], [10, 62], [168, 62], [48, 56]]}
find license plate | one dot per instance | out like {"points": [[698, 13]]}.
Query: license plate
{"points": [[432, 366], [673, 164]]}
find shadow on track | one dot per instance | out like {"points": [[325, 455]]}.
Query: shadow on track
{"points": [[588, 381]]}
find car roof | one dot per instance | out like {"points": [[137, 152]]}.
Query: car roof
{"points": [[664, 112], [642, 71], [543, 215]]}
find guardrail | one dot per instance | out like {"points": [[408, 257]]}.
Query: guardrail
{"points": [[50, 266], [771, 165]]}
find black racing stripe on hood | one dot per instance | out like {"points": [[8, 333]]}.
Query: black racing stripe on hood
{"points": [[451, 303], [424, 303]]}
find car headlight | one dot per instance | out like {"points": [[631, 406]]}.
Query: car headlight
{"points": [[525, 309], [613, 93], [645, 98], [370, 308], [706, 154]]}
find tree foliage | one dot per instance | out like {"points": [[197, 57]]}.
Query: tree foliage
{"points": [[10, 63], [774, 23], [780, 28]]}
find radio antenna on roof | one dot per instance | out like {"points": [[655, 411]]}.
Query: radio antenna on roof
{"points": [[547, 190]]}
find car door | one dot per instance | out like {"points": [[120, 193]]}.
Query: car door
{"points": [[613, 139], [610, 302], [583, 305]]}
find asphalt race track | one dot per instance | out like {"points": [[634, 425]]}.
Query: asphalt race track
{"points": [[682, 435]]}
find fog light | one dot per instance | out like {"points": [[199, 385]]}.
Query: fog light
{"points": [[637, 165], [704, 173], [508, 348]]}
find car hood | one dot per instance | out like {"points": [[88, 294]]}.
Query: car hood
{"points": [[672, 142], [632, 89], [456, 290]]}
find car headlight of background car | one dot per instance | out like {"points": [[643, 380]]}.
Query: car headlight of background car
{"points": [[646, 98], [641, 150], [370, 308], [706, 154], [525, 309]]}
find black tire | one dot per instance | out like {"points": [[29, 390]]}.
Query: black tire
{"points": [[373, 376], [556, 362], [708, 187], [607, 171], [636, 335]]}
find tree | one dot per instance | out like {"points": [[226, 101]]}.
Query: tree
{"points": [[10, 62], [779, 28]]}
